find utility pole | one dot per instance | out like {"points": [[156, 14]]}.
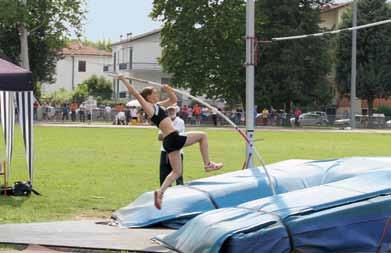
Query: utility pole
{"points": [[353, 98], [24, 48], [250, 62]]}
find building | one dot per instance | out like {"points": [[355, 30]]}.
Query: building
{"points": [[137, 56], [331, 15], [79, 63]]}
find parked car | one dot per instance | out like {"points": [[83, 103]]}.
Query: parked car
{"points": [[315, 118], [342, 123]]}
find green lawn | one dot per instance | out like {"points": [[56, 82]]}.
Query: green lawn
{"points": [[91, 172]]}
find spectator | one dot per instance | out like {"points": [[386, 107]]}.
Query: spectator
{"points": [[297, 116], [73, 111], [35, 110], [185, 113], [214, 117], [108, 113], [100, 113], [120, 119], [204, 114], [133, 114], [90, 106], [82, 112], [127, 115], [165, 167], [197, 114], [45, 110], [238, 116], [265, 116], [65, 112], [190, 116]]}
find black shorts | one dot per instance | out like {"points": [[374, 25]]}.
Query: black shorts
{"points": [[174, 142]]}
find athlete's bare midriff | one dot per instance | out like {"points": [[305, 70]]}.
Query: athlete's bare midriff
{"points": [[166, 127]]}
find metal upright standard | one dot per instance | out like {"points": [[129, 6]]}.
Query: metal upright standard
{"points": [[250, 62], [354, 70]]}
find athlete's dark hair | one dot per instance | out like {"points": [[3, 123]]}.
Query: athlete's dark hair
{"points": [[146, 92]]}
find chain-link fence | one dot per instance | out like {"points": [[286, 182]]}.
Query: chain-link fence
{"points": [[120, 114]]}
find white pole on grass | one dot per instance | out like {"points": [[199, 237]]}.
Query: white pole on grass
{"points": [[250, 62], [214, 110]]}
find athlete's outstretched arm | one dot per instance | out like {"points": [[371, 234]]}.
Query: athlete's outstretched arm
{"points": [[172, 99], [148, 108]]}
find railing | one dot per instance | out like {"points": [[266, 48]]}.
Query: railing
{"points": [[146, 66], [133, 66], [208, 119]]}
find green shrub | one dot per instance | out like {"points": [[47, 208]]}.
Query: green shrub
{"points": [[386, 110]]}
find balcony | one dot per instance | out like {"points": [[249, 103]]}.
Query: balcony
{"points": [[133, 66], [146, 66]]}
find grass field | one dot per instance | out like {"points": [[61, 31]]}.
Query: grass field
{"points": [[90, 172]]}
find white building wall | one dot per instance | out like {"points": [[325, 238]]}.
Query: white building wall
{"points": [[144, 62], [63, 78]]}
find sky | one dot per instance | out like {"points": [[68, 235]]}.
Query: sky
{"points": [[108, 19]]}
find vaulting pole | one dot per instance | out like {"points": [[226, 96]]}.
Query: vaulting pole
{"points": [[214, 110]]}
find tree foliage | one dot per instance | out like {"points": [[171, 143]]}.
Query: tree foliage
{"points": [[104, 45], [293, 71], [98, 87], [204, 49], [373, 53], [49, 24], [203, 45]]}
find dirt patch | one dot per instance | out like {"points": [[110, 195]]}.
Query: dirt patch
{"points": [[102, 215]]}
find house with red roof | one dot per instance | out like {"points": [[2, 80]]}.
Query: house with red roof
{"points": [[78, 64]]}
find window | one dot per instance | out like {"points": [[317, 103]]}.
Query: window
{"points": [[130, 58], [126, 58], [166, 80], [82, 66], [123, 66], [122, 94]]}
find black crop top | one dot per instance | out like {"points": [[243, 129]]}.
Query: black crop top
{"points": [[159, 115]]}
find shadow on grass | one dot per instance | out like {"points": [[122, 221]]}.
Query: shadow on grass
{"points": [[12, 201]]}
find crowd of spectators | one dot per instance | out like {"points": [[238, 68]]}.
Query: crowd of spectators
{"points": [[120, 114]]}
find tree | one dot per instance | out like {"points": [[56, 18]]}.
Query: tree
{"points": [[81, 93], [204, 49], [293, 71], [203, 45], [59, 97], [104, 45], [49, 24], [98, 87], [373, 53]]}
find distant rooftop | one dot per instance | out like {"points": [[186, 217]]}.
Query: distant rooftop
{"points": [[333, 6], [137, 37], [76, 48]]}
